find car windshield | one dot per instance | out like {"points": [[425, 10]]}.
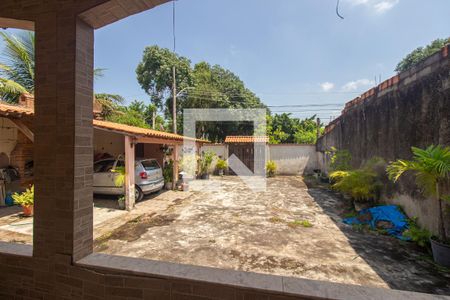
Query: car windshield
{"points": [[150, 165]]}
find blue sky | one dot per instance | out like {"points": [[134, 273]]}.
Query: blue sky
{"points": [[286, 51]]}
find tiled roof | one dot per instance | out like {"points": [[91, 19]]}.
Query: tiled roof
{"points": [[18, 111], [7, 109], [246, 139], [138, 131]]}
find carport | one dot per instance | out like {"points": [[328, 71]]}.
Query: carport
{"points": [[119, 138], [114, 139]]}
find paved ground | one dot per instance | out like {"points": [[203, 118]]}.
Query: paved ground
{"points": [[221, 223]]}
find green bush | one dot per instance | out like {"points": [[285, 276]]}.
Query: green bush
{"points": [[221, 164], [361, 185], [206, 161], [26, 198], [340, 159], [271, 168], [418, 235], [168, 172]]}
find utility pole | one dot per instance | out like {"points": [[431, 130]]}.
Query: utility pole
{"points": [[174, 102]]}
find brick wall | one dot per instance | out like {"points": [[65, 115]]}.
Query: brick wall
{"points": [[22, 153]]}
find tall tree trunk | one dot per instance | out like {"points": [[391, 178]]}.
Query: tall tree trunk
{"points": [[442, 233]]}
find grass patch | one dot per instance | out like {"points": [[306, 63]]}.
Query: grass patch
{"points": [[350, 214], [297, 223], [276, 220]]}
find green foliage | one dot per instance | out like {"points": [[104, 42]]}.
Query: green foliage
{"points": [[17, 67], [26, 198], [337, 176], [206, 161], [361, 185], [271, 168], [168, 172], [188, 164], [339, 159], [420, 54], [418, 235], [303, 223], [431, 167], [221, 164], [282, 128], [119, 179]]}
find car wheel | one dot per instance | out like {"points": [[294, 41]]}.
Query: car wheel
{"points": [[138, 194]]}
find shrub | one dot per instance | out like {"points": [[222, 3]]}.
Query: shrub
{"points": [[168, 172], [26, 198], [188, 164], [337, 176], [221, 164], [361, 185], [340, 159], [418, 235], [206, 161], [271, 168]]}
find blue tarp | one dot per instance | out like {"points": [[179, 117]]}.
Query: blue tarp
{"points": [[388, 213]]}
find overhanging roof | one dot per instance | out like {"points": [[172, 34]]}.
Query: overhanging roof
{"points": [[246, 139], [17, 111]]}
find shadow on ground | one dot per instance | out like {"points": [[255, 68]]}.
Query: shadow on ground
{"points": [[402, 265]]}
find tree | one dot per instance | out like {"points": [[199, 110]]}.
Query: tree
{"points": [[282, 128], [420, 54], [431, 167], [154, 73], [17, 66]]}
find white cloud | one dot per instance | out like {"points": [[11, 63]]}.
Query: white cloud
{"points": [[327, 86], [379, 6], [355, 85]]}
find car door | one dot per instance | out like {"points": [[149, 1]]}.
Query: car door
{"points": [[103, 175]]}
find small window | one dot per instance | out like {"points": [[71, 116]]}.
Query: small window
{"points": [[150, 165], [103, 166]]}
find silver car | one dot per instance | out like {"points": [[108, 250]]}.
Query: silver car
{"points": [[148, 177]]}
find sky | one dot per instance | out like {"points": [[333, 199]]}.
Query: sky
{"points": [[286, 51]]}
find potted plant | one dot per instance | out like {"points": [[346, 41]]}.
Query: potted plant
{"points": [[271, 168], [26, 200], [221, 166], [121, 202], [205, 164], [431, 166], [168, 175]]}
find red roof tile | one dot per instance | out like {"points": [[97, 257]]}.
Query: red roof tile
{"points": [[246, 139]]}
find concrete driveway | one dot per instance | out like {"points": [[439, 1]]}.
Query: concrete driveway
{"points": [[287, 230]]}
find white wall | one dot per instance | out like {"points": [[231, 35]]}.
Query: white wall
{"points": [[219, 149], [8, 136], [292, 159], [108, 142]]}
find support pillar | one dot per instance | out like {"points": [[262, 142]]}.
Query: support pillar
{"points": [[175, 166], [63, 134], [130, 197]]}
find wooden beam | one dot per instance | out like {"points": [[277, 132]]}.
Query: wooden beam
{"points": [[23, 128], [130, 198], [148, 140]]}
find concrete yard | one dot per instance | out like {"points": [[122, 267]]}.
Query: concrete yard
{"points": [[221, 223], [229, 226]]}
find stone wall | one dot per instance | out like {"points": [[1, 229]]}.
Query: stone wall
{"points": [[410, 109]]}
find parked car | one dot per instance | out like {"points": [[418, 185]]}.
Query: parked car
{"points": [[148, 177]]}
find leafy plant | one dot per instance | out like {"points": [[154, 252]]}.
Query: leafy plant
{"points": [[26, 198], [420, 54], [271, 168], [206, 161], [168, 172], [361, 185], [119, 180], [221, 164], [418, 235], [431, 167], [188, 164], [339, 159]]}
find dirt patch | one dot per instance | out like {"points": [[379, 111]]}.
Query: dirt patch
{"points": [[134, 229]]}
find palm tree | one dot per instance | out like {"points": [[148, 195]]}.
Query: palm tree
{"points": [[431, 167], [17, 69], [17, 66]]}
